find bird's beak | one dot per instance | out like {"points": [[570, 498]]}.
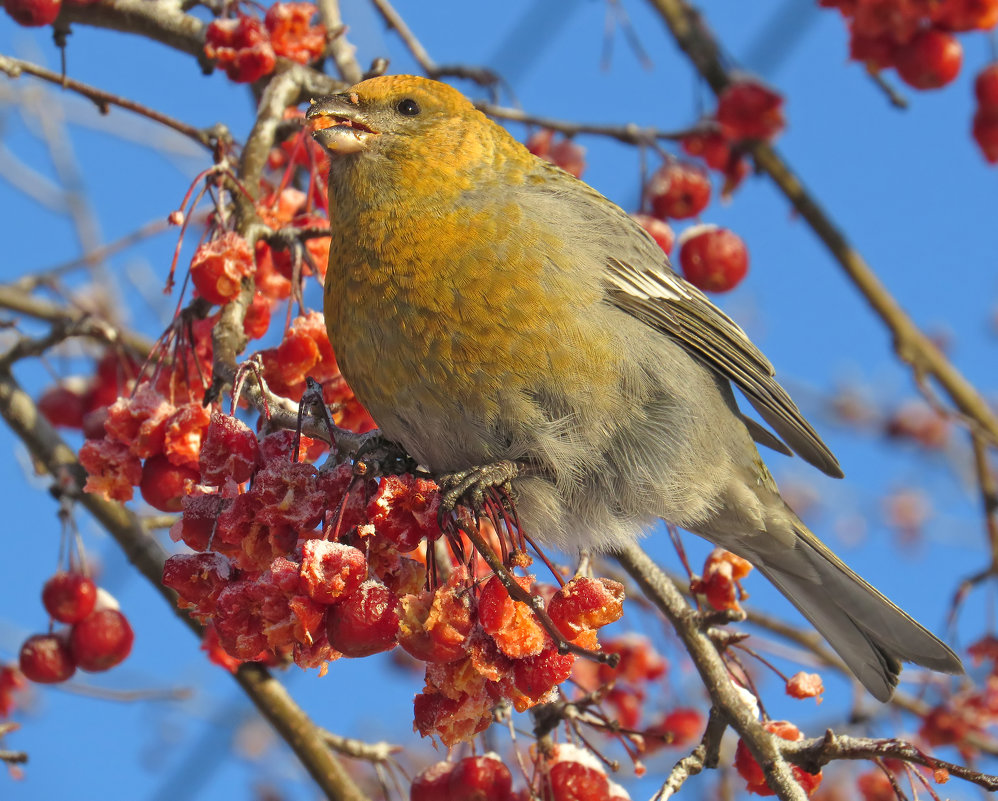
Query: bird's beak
{"points": [[339, 125]]}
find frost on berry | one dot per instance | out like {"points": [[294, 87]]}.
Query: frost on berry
{"points": [[433, 783], [241, 47], [805, 685], [101, 640], [287, 494], [331, 571], [721, 580], [69, 597], [198, 579], [678, 190], [219, 265], [291, 32], [230, 451], [46, 658], [586, 604], [573, 774], [749, 110], [112, 469], [365, 622], [511, 624], [456, 703], [404, 511], [139, 421], [345, 496], [197, 522]]}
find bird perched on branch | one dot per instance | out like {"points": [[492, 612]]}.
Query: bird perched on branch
{"points": [[503, 321]]}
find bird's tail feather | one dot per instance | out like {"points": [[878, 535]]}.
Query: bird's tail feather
{"points": [[871, 634]]}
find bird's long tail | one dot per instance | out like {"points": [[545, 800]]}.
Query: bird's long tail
{"points": [[871, 634]]}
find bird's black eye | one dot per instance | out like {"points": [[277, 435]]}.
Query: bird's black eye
{"points": [[408, 107]]}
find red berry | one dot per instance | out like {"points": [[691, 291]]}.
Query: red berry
{"points": [[877, 52], [230, 451], [986, 87], [678, 189], [364, 623], [683, 726], [331, 571], [753, 774], [713, 259], [69, 597], [483, 778], [986, 134], [291, 32], [219, 266], [931, 60], [33, 13], [535, 676], [967, 15], [711, 146], [575, 775], [101, 641], [63, 406], [584, 604], [46, 658], [659, 230], [748, 110], [563, 153], [432, 784], [241, 47], [164, 484]]}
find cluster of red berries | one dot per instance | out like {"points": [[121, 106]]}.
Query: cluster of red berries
{"points": [[969, 710], [567, 774], [985, 128], [913, 36], [311, 564], [712, 258], [247, 48], [98, 638]]}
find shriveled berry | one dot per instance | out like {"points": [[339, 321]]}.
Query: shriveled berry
{"points": [[331, 571], [46, 659], [365, 622], [230, 451], [218, 266], [585, 604], [101, 641], [69, 597]]}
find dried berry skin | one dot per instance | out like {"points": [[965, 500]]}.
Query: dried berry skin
{"points": [[101, 641], [331, 571], [230, 451]]}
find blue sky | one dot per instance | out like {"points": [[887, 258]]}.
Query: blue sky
{"points": [[909, 188]]}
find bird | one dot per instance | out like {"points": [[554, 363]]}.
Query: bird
{"points": [[504, 322]]}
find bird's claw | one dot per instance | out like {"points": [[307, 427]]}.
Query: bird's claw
{"points": [[469, 486]]}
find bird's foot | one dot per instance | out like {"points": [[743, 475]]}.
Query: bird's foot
{"points": [[470, 486]]}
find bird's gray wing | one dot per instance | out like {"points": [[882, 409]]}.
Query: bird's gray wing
{"points": [[658, 297]]}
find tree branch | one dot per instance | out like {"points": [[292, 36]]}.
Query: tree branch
{"points": [[142, 550]]}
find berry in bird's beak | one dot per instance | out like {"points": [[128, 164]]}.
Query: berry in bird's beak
{"points": [[338, 125]]}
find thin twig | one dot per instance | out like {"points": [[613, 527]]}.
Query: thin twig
{"points": [[15, 67]]}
